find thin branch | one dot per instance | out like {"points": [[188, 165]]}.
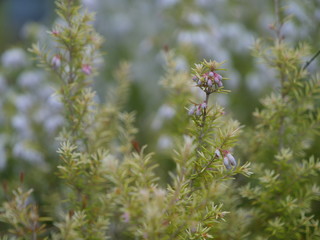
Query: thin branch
{"points": [[311, 60]]}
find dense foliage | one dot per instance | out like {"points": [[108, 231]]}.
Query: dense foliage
{"points": [[212, 178]]}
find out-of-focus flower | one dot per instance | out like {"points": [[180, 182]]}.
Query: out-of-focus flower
{"points": [[14, 58], [164, 142], [125, 217], [166, 112], [231, 159], [192, 109], [56, 61], [3, 83], [53, 123], [226, 163], [218, 154], [87, 69], [24, 102], [198, 112], [30, 79], [3, 155], [21, 150]]}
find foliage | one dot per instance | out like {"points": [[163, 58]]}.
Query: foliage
{"points": [[111, 187]]}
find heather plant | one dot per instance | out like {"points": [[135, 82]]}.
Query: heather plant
{"points": [[110, 185], [111, 189], [284, 188]]}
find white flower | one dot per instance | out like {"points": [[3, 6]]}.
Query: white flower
{"points": [[14, 58], [166, 112], [3, 83], [23, 151], [24, 102], [90, 4], [3, 155], [164, 142], [30, 79], [53, 123]]}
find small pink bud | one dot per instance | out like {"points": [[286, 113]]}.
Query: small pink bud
{"points": [[217, 152], [220, 84], [191, 110], [56, 61], [232, 161], [125, 217], [198, 112], [211, 74], [195, 78], [210, 83], [217, 76], [87, 69], [199, 82], [203, 105], [226, 163], [55, 33]]}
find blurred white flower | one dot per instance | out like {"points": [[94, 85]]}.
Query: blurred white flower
{"points": [[30, 155], [164, 142], [166, 112], [14, 58], [254, 82], [167, 3], [3, 83], [24, 102], [3, 155], [195, 19], [181, 64], [20, 122], [42, 114], [30, 79], [90, 4], [53, 123], [54, 103]]}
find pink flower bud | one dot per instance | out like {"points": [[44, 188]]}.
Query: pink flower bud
{"points": [[203, 105], [87, 69], [191, 110], [211, 74], [55, 33], [198, 112], [210, 83], [220, 84], [56, 61], [126, 217], [195, 78], [199, 82], [226, 163], [232, 160], [217, 76], [218, 154]]}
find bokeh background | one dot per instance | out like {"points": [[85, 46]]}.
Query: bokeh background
{"points": [[137, 32]]}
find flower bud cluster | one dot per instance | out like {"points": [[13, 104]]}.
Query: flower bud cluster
{"points": [[208, 80], [56, 64], [228, 160], [197, 109]]}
